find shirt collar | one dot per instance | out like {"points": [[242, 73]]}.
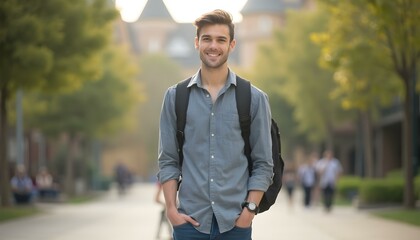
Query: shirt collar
{"points": [[196, 79]]}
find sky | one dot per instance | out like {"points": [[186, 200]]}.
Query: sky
{"points": [[181, 10]]}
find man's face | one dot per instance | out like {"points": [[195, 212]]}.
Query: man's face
{"points": [[214, 45]]}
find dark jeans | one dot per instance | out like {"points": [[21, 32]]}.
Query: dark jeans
{"points": [[307, 195], [187, 232], [328, 196], [22, 198], [48, 193]]}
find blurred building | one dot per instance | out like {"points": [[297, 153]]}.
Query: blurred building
{"points": [[156, 31]]}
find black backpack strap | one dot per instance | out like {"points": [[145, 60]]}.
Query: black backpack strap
{"points": [[182, 96], [243, 104]]}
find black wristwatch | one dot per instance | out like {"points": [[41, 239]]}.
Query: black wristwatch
{"points": [[252, 207]]}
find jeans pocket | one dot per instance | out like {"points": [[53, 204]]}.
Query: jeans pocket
{"points": [[242, 228], [181, 225]]}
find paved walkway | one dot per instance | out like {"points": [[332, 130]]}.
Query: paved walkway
{"points": [[135, 216]]}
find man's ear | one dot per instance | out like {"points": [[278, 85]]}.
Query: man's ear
{"points": [[196, 42], [232, 45]]}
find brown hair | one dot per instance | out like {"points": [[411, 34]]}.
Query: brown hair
{"points": [[217, 16]]}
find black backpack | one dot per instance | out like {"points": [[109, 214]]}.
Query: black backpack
{"points": [[243, 104]]}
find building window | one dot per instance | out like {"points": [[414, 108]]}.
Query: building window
{"points": [[179, 48], [153, 46], [265, 25]]}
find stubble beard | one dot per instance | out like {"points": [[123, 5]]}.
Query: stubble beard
{"points": [[213, 65]]}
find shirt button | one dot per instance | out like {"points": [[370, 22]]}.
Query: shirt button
{"points": [[211, 180], [207, 95], [212, 156], [212, 134], [212, 114], [212, 203]]}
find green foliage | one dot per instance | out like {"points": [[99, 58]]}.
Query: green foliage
{"points": [[16, 212], [363, 69], [374, 191], [158, 73], [98, 109], [82, 199], [51, 44], [407, 216], [288, 67], [348, 186]]}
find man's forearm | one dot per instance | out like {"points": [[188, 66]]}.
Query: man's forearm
{"points": [[169, 192], [255, 196]]}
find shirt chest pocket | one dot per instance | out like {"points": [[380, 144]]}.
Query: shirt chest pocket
{"points": [[229, 123]]}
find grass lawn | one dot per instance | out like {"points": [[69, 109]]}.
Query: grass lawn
{"points": [[84, 198], [81, 199], [339, 201], [8, 213], [402, 215]]}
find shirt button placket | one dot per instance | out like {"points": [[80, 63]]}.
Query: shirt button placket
{"points": [[212, 193]]}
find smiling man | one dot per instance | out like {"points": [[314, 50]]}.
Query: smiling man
{"points": [[218, 197]]}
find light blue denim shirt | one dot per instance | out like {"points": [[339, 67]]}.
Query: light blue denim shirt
{"points": [[215, 169]]}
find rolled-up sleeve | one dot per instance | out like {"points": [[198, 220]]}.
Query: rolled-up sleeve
{"points": [[168, 158], [260, 141]]}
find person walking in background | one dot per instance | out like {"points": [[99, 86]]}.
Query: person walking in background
{"points": [[307, 178], [22, 187], [217, 197], [163, 219], [316, 190], [289, 180], [45, 184], [329, 170], [121, 176]]}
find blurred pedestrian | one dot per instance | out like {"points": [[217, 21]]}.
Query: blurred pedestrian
{"points": [[329, 169], [289, 180], [217, 197], [163, 219], [307, 179], [314, 158], [45, 185], [121, 177], [22, 187]]}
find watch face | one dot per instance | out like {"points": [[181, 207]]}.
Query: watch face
{"points": [[252, 206]]}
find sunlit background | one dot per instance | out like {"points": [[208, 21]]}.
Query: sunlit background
{"points": [[181, 10]]}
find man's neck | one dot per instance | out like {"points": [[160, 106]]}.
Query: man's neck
{"points": [[214, 77]]}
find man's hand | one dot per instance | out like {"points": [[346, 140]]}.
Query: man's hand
{"points": [[245, 219], [177, 218]]}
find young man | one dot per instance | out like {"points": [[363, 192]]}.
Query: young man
{"points": [[215, 180], [329, 169]]}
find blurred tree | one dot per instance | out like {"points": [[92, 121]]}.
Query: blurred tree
{"points": [[281, 109], [289, 68], [362, 82], [49, 45], [158, 73], [99, 109], [395, 27]]}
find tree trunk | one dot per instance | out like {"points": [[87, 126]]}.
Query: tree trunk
{"points": [[367, 140], [4, 166], [69, 168], [74, 141], [329, 144], [409, 201]]}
